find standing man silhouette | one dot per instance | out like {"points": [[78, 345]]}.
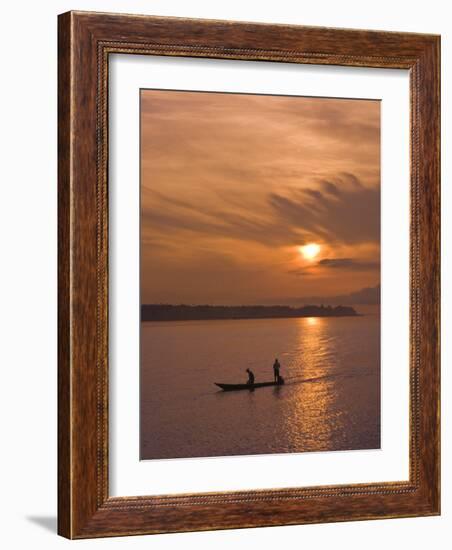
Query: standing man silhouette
{"points": [[276, 367], [250, 381]]}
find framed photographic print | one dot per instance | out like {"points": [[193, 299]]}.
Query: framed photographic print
{"points": [[248, 275]]}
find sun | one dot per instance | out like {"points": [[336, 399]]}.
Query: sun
{"points": [[309, 251]]}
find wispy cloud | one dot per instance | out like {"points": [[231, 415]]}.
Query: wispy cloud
{"points": [[344, 211], [348, 263]]}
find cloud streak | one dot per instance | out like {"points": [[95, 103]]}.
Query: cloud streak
{"points": [[343, 211], [348, 263]]}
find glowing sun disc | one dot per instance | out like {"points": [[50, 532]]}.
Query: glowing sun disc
{"points": [[309, 251]]}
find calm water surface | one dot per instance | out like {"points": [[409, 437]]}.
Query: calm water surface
{"points": [[331, 399]]}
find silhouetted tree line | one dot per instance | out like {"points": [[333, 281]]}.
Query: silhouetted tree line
{"points": [[166, 312]]}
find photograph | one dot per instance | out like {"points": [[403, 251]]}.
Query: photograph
{"points": [[259, 274]]}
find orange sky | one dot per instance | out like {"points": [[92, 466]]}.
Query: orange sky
{"points": [[233, 185]]}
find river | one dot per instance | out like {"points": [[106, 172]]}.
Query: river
{"points": [[330, 401]]}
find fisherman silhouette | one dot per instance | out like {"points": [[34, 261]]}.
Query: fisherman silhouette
{"points": [[250, 377], [276, 367]]}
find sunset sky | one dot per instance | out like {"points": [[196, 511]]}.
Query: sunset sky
{"points": [[252, 199]]}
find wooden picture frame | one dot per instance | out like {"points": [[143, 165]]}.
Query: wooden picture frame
{"points": [[86, 40]]}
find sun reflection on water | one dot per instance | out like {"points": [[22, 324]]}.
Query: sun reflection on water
{"points": [[310, 421]]}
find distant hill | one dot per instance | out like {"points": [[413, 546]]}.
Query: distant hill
{"points": [[369, 295], [364, 296], [167, 312]]}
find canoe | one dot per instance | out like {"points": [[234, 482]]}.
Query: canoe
{"points": [[236, 387]]}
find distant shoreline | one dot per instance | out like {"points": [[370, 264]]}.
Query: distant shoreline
{"points": [[167, 312]]}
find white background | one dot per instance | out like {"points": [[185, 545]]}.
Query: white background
{"points": [[128, 476], [28, 271]]}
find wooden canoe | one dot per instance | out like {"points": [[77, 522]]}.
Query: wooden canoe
{"points": [[236, 387]]}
